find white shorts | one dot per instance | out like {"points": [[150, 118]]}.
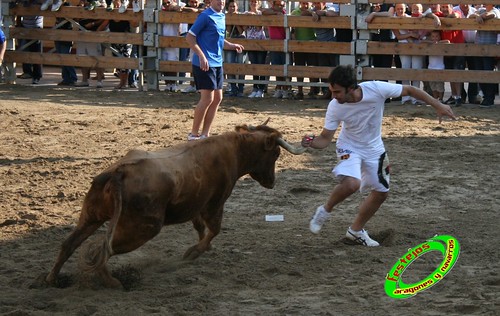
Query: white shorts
{"points": [[89, 49], [374, 172], [171, 54]]}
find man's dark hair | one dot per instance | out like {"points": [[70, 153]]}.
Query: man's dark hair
{"points": [[344, 76]]}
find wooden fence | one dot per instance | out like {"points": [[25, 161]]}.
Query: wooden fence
{"points": [[352, 17]]}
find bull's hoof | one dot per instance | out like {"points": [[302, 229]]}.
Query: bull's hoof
{"points": [[192, 253]]}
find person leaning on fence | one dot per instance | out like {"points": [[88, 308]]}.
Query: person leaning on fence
{"points": [[320, 10], [171, 53], [206, 40], [55, 5], [256, 57], [455, 37], [278, 58], [31, 71], [91, 49], [472, 92], [488, 12], [436, 62], [232, 56], [120, 50], [68, 73], [362, 159]]}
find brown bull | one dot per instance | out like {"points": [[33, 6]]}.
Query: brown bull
{"points": [[144, 191]]}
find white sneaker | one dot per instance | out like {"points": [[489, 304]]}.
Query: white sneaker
{"points": [[46, 5], [123, 7], [278, 94], [136, 6], [174, 88], [252, 95], [319, 218], [361, 238], [192, 137], [259, 94], [188, 89], [168, 88], [56, 6]]}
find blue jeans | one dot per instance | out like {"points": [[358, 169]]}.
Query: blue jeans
{"points": [[258, 58], [68, 73], [133, 75]]}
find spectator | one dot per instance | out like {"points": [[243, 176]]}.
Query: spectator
{"points": [[68, 73], [31, 71], [324, 35], [256, 57], [472, 92], [304, 34], [121, 50], [207, 42], [278, 58], [91, 49], [407, 61], [172, 53], [485, 13], [455, 37], [55, 5], [436, 62], [232, 56]]}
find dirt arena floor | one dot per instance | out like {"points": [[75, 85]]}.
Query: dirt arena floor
{"points": [[445, 181]]}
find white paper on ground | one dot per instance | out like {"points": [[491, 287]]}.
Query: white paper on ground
{"points": [[275, 218]]}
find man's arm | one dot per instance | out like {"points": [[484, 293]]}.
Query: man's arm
{"points": [[318, 142], [419, 94]]}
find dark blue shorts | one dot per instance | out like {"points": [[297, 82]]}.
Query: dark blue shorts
{"points": [[213, 79]]}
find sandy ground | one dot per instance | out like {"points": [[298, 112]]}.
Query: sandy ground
{"points": [[445, 180]]}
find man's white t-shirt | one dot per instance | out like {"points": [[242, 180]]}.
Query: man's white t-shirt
{"points": [[362, 121]]}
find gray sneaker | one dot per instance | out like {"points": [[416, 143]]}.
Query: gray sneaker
{"points": [[361, 238], [319, 218]]}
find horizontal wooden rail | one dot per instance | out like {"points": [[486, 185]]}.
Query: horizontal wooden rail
{"points": [[391, 23], [431, 75], [72, 60], [79, 36], [78, 13], [428, 49]]}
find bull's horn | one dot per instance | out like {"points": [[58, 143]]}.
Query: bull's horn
{"points": [[290, 148]]}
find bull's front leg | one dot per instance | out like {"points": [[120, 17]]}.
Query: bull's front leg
{"points": [[208, 226]]}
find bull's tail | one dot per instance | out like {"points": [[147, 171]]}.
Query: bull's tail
{"points": [[99, 251]]}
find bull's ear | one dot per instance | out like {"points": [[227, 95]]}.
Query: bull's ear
{"points": [[270, 142], [241, 129]]}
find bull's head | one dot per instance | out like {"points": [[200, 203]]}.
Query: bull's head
{"points": [[270, 142]]}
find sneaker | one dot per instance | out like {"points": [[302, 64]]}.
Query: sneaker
{"points": [[168, 88], [486, 105], [99, 84], [133, 85], [46, 5], [259, 94], [35, 81], [203, 136], [299, 96], [82, 84], [123, 7], [136, 6], [189, 89], [56, 6], [91, 6], [287, 94], [450, 100], [65, 83], [24, 76], [252, 95], [193, 137], [319, 218], [110, 7], [458, 102], [278, 94], [361, 238], [474, 100]]}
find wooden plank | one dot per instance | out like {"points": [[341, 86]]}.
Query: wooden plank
{"points": [[320, 47], [427, 49], [69, 35], [72, 60], [435, 75], [78, 13], [391, 23], [427, 2]]}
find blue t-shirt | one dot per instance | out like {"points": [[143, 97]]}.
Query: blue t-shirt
{"points": [[2, 36], [209, 29]]}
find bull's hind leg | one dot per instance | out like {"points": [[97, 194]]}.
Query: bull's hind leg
{"points": [[208, 226], [79, 235]]}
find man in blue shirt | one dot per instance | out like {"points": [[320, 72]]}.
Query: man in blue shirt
{"points": [[206, 40]]}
